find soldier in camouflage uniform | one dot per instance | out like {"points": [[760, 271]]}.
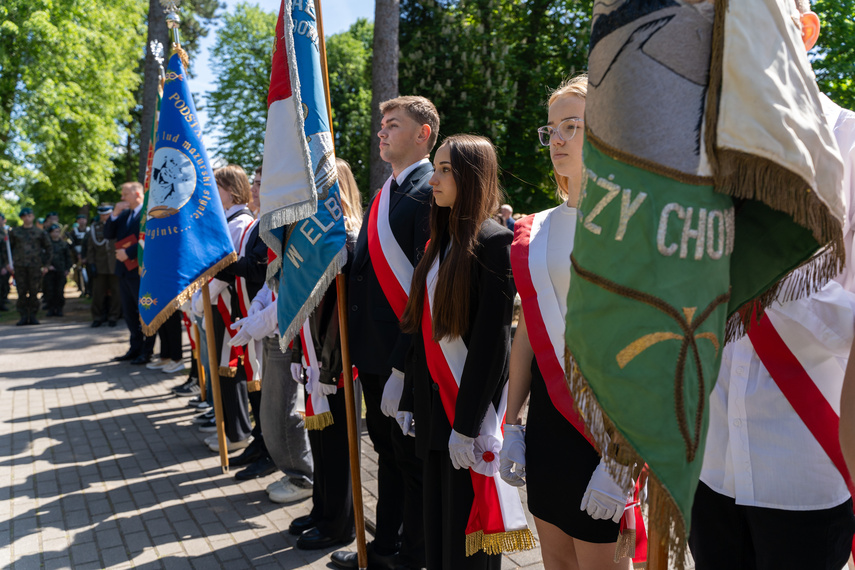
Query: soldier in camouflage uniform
{"points": [[101, 255], [57, 274], [5, 274], [31, 252]]}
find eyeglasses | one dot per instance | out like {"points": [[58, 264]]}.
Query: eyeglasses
{"points": [[565, 131]]}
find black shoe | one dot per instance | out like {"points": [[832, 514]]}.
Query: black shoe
{"points": [[95, 324], [376, 561], [57, 313], [261, 468], [129, 355], [50, 312], [253, 452], [111, 323], [301, 525], [141, 359], [312, 539], [33, 320], [25, 320], [3, 308], [204, 417]]}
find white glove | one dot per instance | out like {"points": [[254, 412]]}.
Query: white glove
{"points": [[254, 307], [392, 393], [603, 498], [297, 372], [406, 422], [311, 379], [196, 304], [462, 450], [512, 458], [325, 389], [242, 336]]}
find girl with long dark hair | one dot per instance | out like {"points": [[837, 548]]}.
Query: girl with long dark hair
{"points": [[459, 312]]}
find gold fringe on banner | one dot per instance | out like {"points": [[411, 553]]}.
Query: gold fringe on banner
{"points": [[319, 421], [253, 386], [228, 371], [186, 294], [499, 542], [663, 514]]}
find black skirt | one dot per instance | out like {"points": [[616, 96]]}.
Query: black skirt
{"points": [[559, 465]]}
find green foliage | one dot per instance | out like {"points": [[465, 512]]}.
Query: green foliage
{"points": [[238, 104], [349, 64], [835, 51], [67, 75], [488, 66]]}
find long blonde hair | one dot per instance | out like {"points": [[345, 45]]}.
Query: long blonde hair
{"points": [[351, 199], [576, 86]]}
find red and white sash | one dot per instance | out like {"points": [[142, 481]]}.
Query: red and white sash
{"points": [[816, 404], [391, 265], [544, 322], [252, 351], [497, 521], [229, 355]]}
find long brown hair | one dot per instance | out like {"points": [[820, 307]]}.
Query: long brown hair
{"points": [[232, 178], [475, 170], [351, 199]]}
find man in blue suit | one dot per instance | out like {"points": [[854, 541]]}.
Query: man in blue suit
{"points": [[124, 226]]}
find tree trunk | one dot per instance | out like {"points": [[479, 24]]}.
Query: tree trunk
{"points": [[157, 30], [384, 80]]}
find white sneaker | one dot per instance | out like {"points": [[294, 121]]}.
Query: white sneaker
{"points": [[276, 484], [290, 493], [158, 363], [173, 366], [231, 446]]}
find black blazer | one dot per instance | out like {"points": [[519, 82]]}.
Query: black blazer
{"points": [[376, 341], [118, 230], [488, 340]]}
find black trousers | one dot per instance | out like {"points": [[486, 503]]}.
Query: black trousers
{"points": [[170, 337], [399, 480], [233, 391], [129, 292], [727, 535], [448, 496], [54, 290], [332, 498], [103, 283]]}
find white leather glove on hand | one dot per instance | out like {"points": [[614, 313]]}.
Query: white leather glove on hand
{"points": [[297, 372], [512, 460], [405, 421], [462, 450], [242, 336], [254, 307], [603, 498], [392, 394]]}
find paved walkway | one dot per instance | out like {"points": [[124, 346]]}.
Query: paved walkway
{"points": [[101, 468]]}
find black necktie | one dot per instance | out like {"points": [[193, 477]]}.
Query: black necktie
{"points": [[393, 187]]}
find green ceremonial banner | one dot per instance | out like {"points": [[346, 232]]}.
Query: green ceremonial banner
{"points": [[667, 322]]}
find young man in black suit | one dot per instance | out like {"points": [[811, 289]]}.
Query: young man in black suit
{"points": [[124, 223], [408, 132]]}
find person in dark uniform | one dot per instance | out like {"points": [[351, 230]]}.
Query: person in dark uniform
{"points": [[57, 273], [5, 274], [409, 129], [78, 242], [100, 254], [472, 302], [123, 226], [31, 251], [331, 521]]}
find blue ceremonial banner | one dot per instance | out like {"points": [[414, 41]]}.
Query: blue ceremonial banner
{"points": [[186, 237], [307, 235]]}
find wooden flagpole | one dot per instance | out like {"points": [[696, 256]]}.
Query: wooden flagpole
{"points": [[214, 366], [657, 551], [350, 403]]}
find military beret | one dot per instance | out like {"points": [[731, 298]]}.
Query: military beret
{"points": [[49, 214], [25, 211], [81, 217], [53, 227]]}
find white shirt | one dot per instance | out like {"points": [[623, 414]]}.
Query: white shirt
{"points": [[843, 124], [758, 450], [562, 229], [406, 172]]}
